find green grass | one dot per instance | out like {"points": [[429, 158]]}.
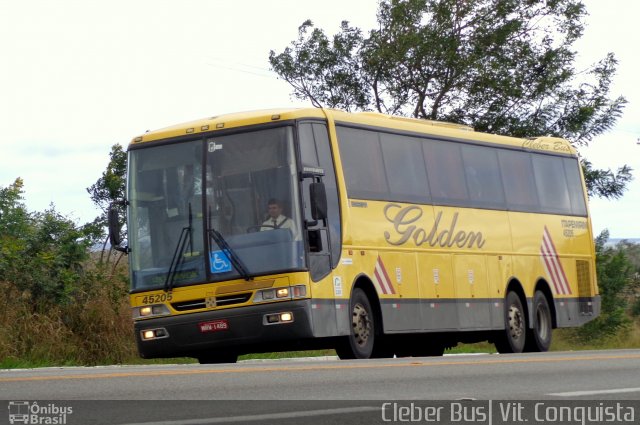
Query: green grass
{"points": [[564, 340], [479, 347], [288, 354]]}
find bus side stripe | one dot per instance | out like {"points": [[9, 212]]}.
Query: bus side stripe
{"points": [[549, 269], [552, 269], [553, 265], [383, 278], [563, 276]]}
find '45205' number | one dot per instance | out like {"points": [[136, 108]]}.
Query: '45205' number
{"points": [[157, 298]]}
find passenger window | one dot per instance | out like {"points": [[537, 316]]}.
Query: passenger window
{"points": [[362, 163], [483, 176], [551, 184], [576, 193], [519, 183], [405, 170], [445, 172]]}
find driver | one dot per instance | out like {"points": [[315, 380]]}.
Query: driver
{"points": [[276, 220]]}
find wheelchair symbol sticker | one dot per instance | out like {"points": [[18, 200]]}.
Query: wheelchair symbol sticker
{"points": [[219, 262]]}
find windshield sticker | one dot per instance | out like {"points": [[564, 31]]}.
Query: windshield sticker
{"points": [[213, 146], [219, 262]]}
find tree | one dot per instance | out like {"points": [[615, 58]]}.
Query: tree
{"points": [[614, 273], [606, 183], [15, 224], [14, 217], [108, 190], [42, 254], [501, 66]]}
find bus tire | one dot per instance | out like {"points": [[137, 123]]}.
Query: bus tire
{"points": [[217, 358], [539, 336], [359, 343], [512, 338]]}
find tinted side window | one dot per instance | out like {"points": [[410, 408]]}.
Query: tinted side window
{"points": [[483, 176], [519, 184], [308, 152], [404, 166], [362, 163], [445, 171], [333, 203], [315, 150], [576, 193], [552, 184]]}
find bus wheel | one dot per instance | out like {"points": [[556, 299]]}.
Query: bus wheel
{"points": [[512, 339], [359, 343], [539, 336], [217, 358]]}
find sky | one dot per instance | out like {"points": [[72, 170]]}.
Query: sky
{"points": [[77, 77]]}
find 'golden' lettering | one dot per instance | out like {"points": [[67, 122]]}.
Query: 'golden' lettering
{"points": [[404, 219]]}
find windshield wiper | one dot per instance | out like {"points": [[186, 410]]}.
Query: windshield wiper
{"points": [[178, 253], [226, 248]]}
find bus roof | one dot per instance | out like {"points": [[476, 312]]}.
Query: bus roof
{"points": [[368, 119]]}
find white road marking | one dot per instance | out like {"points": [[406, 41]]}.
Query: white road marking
{"points": [[596, 392], [262, 417]]}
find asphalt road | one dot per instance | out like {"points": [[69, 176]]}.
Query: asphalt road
{"points": [[327, 391]]}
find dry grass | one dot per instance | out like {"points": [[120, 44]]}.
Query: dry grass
{"points": [[565, 340], [82, 333]]}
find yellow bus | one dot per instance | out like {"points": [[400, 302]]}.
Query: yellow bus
{"points": [[375, 235]]}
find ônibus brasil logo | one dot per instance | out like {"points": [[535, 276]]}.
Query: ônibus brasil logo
{"points": [[26, 412]]}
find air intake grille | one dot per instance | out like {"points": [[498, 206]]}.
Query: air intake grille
{"points": [[189, 305], [222, 301], [583, 273], [584, 278]]}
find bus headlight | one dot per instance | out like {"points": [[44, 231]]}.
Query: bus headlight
{"points": [[150, 311], [279, 294], [277, 318], [282, 292], [149, 334]]}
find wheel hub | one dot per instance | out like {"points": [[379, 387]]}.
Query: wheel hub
{"points": [[516, 322], [361, 324]]}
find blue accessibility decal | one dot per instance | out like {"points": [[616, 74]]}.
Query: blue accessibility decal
{"points": [[219, 261]]}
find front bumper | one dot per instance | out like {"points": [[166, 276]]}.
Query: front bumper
{"points": [[245, 328]]}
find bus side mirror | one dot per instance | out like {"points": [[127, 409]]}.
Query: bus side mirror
{"points": [[114, 229], [318, 197]]}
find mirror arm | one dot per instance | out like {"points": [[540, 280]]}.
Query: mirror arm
{"points": [[114, 227]]}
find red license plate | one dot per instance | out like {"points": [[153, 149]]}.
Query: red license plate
{"points": [[214, 326]]}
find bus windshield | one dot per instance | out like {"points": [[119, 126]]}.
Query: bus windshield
{"points": [[225, 210]]}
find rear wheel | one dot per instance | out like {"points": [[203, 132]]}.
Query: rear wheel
{"points": [[359, 343], [539, 336], [512, 338]]}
